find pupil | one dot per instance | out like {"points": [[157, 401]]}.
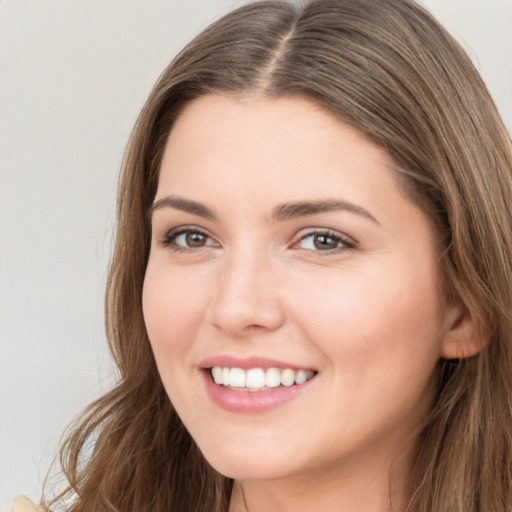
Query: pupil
{"points": [[195, 239], [325, 242]]}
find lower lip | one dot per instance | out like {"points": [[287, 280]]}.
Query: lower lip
{"points": [[251, 401]]}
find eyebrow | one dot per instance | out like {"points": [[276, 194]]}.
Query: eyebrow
{"points": [[288, 211], [282, 212], [185, 205]]}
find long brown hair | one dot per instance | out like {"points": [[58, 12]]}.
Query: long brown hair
{"points": [[390, 70]]}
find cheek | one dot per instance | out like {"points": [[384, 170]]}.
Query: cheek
{"points": [[379, 339], [360, 317], [173, 306]]}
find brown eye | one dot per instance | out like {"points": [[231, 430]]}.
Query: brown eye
{"points": [[195, 239], [325, 242], [187, 239]]}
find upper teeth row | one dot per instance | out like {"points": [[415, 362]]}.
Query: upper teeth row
{"points": [[258, 378]]}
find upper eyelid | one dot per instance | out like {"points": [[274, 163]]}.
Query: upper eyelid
{"points": [[179, 230], [344, 243], [185, 228], [304, 233]]}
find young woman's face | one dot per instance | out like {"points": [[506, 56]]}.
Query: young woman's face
{"points": [[287, 263]]}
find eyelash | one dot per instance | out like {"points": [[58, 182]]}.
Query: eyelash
{"points": [[345, 243], [169, 241]]}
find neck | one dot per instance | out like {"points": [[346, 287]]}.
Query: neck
{"points": [[355, 489]]}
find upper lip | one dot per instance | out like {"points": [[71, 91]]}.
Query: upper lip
{"points": [[246, 363]]}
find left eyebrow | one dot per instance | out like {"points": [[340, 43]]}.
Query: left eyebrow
{"points": [[289, 211]]}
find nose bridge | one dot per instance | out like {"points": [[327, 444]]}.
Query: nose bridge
{"points": [[247, 296]]}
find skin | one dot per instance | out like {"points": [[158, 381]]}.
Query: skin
{"points": [[367, 315]]}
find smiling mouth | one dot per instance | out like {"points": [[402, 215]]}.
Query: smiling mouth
{"points": [[259, 379]]}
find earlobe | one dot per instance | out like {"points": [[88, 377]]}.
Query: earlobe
{"points": [[462, 337]]}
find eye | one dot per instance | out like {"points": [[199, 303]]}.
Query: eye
{"points": [[187, 239], [324, 241], [191, 239]]}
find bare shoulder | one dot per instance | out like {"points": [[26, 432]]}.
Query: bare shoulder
{"points": [[23, 504]]}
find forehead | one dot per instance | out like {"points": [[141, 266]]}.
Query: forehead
{"points": [[267, 142]]}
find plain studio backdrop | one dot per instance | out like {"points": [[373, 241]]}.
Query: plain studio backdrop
{"points": [[73, 78]]}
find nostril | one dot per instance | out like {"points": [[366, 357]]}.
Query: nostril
{"points": [[254, 327]]}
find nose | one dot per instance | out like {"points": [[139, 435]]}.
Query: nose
{"points": [[247, 300]]}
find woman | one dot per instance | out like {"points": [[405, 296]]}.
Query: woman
{"points": [[310, 296]]}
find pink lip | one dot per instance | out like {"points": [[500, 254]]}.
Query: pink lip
{"points": [[248, 362], [249, 401]]}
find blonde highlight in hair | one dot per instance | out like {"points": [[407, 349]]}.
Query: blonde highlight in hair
{"points": [[389, 70]]}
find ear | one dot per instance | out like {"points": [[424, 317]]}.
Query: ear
{"points": [[462, 338]]}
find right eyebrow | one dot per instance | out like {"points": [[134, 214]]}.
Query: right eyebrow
{"points": [[185, 205]]}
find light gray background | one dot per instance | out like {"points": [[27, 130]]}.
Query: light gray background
{"points": [[73, 76]]}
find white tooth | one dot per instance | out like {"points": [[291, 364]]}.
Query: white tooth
{"points": [[287, 377], [217, 374], [226, 380], [255, 378], [272, 378], [237, 378], [301, 376]]}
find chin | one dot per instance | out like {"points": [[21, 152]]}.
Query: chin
{"points": [[246, 466]]}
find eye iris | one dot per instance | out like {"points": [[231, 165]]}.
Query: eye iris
{"points": [[195, 239], [325, 242]]}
